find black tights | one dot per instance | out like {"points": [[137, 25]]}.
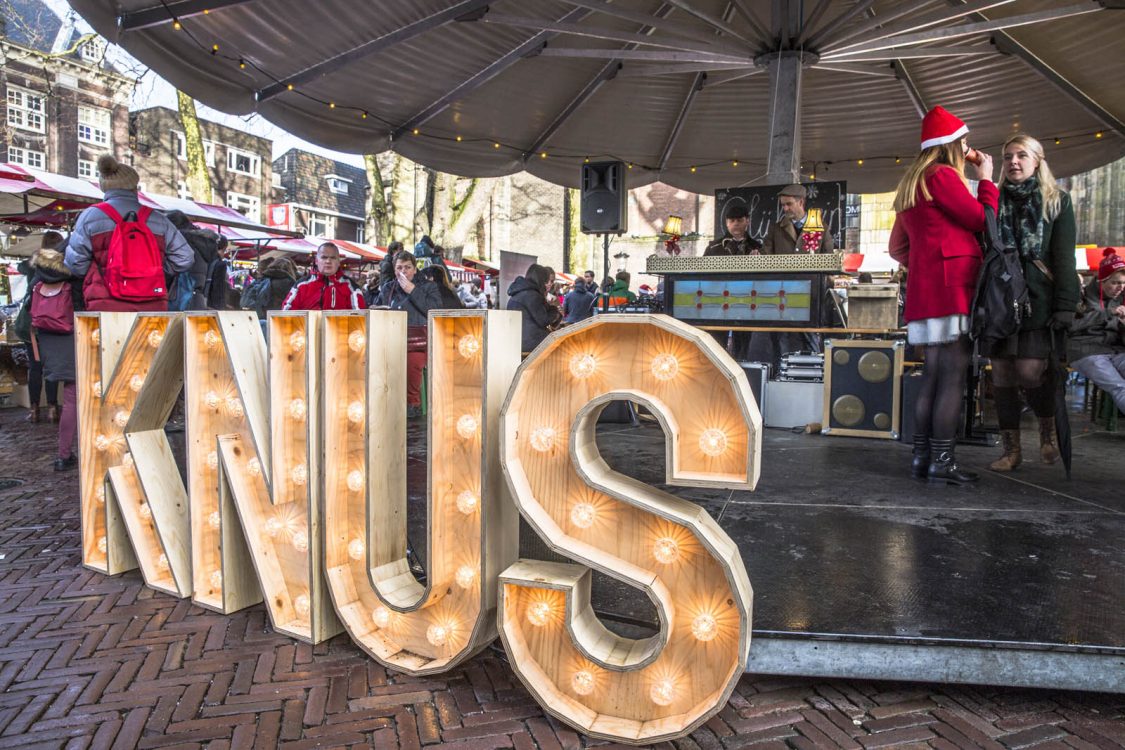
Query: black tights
{"points": [[937, 412], [1009, 374], [35, 383]]}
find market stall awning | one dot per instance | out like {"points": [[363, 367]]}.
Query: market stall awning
{"points": [[29, 196], [678, 89]]}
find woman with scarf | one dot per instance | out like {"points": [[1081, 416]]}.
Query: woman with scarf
{"points": [[1037, 219]]}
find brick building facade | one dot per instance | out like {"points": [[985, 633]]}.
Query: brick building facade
{"points": [[319, 196], [238, 163], [64, 105]]}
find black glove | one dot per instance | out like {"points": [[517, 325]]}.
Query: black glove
{"points": [[1060, 321]]}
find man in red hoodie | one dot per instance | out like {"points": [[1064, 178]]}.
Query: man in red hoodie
{"points": [[328, 288]]}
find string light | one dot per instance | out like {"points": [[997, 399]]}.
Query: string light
{"points": [[297, 410], [300, 541], [543, 439], [439, 633], [301, 605], [704, 627], [496, 145], [103, 545], [210, 339], [542, 154], [332, 105], [583, 682], [214, 49], [467, 426], [859, 162], [215, 521], [1098, 134], [713, 442], [299, 474], [583, 366], [356, 549], [241, 64], [363, 116], [212, 400], [898, 160], [355, 480], [297, 341], [1058, 141], [583, 515], [176, 24], [136, 383], [121, 418], [666, 550], [154, 338], [415, 131], [459, 139], [381, 616], [356, 412], [216, 579], [468, 346], [465, 576], [540, 613], [693, 170], [734, 163], [357, 341], [664, 366], [97, 388], [467, 502], [234, 407], [663, 692]]}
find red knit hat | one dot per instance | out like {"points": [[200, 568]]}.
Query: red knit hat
{"points": [[1111, 263], [939, 126]]}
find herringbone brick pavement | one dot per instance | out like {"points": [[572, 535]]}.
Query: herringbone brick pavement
{"points": [[92, 661]]}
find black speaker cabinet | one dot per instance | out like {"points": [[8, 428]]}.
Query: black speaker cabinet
{"points": [[603, 203], [862, 388], [758, 373]]}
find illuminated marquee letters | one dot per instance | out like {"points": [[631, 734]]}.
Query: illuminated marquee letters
{"points": [[296, 493]]}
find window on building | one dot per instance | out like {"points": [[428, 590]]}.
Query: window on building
{"points": [[87, 169], [249, 206], [359, 233], [321, 226], [94, 125], [181, 149], [338, 185], [92, 50], [27, 157], [183, 191], [243, 162], [26, 110]]}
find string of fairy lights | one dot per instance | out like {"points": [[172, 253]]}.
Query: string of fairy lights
{"points": [[733, 163]]}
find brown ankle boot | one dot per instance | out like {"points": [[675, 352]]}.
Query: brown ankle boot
{"points": [[32, 414], [1013, 455], [1048, 453]]}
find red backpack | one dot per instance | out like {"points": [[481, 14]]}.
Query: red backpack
{"points": [[52, 307], [134, 263]]}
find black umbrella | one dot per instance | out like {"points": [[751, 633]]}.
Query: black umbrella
{"points": [[1062, 417]]}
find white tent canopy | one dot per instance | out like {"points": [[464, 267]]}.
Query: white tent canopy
{"points": [[680, 89]]}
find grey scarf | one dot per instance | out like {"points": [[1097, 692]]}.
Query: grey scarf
{"points": [[1021, 217]]}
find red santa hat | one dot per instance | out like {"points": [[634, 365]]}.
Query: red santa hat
{"points": [[1111, 263], [939, 126]]}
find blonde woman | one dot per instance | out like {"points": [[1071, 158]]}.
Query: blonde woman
{"points": [[934, 236], [1037, 219]]}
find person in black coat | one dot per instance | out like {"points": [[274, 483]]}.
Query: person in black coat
{"points": [[579, 302], [56, 350], [210, 271], [528, 294]]}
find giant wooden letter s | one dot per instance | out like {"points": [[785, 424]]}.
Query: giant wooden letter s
{"points": [[647, 690]]}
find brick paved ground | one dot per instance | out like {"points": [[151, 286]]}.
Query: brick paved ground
{"points": [[92, 661]]}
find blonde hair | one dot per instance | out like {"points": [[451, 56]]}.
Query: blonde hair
{"points": [[949, 154], [1049, 190]]}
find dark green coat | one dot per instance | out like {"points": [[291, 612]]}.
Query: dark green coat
{"points": [[1057, 253]]}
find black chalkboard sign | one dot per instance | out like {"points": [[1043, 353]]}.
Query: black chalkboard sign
{"points": [[829, 197]]}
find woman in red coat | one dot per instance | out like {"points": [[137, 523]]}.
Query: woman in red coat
{"points": [[934, 237]]}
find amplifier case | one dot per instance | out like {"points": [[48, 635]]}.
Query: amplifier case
{"points": [[758, 373], [793, 403], [863, 388]]}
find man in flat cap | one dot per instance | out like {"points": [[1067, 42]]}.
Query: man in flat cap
{"points": [[737, 240], [790, 234]]}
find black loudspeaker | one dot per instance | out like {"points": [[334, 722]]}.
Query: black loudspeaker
{"points": [[758, 373], [863, 388], [603, 204]]}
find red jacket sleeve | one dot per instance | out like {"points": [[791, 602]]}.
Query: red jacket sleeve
{"points": [[954, 200], [900, 243]]}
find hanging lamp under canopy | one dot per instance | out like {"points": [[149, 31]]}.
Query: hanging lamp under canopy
{"points": [[687, 92]]}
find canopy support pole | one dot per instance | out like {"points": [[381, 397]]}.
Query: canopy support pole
{"points": [[784, 165]]}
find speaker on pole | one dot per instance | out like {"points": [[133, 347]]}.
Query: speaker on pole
{"points": [[603, 202]]}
